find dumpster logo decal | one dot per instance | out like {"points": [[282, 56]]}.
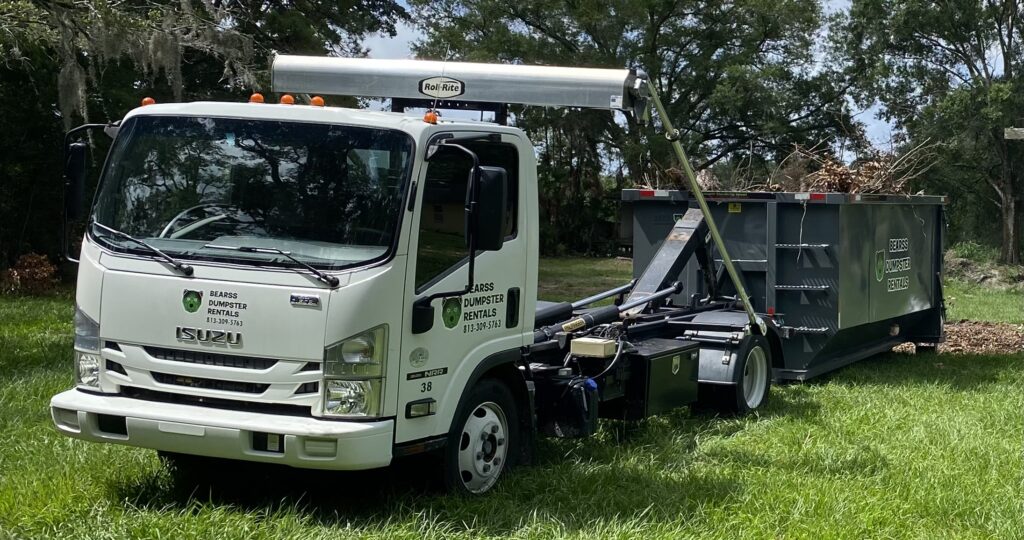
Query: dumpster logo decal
{"points": [[894, 260], [451, 312], [192, 300]]}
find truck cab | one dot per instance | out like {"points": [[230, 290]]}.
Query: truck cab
{"points": [[250, 355]]}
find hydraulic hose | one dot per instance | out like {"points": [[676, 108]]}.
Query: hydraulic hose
{"points": [[602, 315]]}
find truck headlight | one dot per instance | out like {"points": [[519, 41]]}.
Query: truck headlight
{"points": [[87, 369], [359, 356], [353, 398], [87, 351], [354, 374], [87, 332]]}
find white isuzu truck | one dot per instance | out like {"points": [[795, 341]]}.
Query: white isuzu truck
{"points": [[334, 288]]}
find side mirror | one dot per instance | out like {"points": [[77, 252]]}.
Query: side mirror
{"points": [[492, 202], [74, 180]]}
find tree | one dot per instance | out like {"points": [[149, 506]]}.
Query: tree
{"points": [[61, 62], [84, 37], [951, 71], [739, 78]]}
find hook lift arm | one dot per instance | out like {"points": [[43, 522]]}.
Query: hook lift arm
{"points": [[672, 134]]}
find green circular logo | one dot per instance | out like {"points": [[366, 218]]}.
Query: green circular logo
{"points": [[451, 312], [192, 300]]}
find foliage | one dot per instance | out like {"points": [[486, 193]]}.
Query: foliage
{"points": [[84, 37], [64, 62], [739, 79], [32, 274], [974, 251], [948, 72]]}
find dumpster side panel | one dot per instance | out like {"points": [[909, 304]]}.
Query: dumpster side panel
{"points": [[856, 270], [806, 288], [744, 228], [652, 221], [842, 274], [903, 275]]}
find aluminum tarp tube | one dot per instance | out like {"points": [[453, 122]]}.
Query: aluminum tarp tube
{"points": [[461, 81]]}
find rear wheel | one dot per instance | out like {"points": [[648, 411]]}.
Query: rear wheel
{"points": [[485, 436], [752, 380]]}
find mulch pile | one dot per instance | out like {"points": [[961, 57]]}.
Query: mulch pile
{"points": [[976, 337]]}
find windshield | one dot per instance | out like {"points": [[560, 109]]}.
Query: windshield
{"points": [[331, 195]]}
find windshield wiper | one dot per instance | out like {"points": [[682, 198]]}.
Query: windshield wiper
{"points": [[178, 265], [330, 280]]}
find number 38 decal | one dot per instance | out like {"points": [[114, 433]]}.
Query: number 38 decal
{"points": [[426, 386]]}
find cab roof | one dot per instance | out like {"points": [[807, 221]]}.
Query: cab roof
{"points": [[412, 125]]}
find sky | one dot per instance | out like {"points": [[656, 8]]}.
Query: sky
{"points": [[400, 46]]}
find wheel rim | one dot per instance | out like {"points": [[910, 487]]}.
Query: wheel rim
{"points": [[483, 447], [755, 375]]}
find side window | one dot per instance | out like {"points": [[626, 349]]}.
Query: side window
{"points": [[442, 236]]}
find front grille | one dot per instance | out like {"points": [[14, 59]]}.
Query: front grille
{"points": [[308, 388], [116, 368], [210, 359], [217, 403], [210, 384]]}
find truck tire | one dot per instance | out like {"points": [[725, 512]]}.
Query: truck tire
{"points": [[483, 440], [752, 380]]}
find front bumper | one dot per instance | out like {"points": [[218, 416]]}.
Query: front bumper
{"points": [[307, 442]]}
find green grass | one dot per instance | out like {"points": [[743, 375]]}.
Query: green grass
{"points": [[896, 446], [567, 279], [980, 303]]}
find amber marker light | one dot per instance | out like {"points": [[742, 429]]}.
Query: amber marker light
{"points": [[256, 98], [430, 117], [287, 99], [316, 101], [148, 101]]}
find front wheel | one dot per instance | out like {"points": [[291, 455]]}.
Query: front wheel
{"points": [[751, 384], [484, 437]]}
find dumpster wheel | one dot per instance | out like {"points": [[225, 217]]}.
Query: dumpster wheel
{"points": [[751, 384]]}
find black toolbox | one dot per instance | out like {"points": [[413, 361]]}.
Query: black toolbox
{"points": [[662, 375]]}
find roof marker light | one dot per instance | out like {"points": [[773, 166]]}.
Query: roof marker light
{"points": [[287, 99], [316, 101], [256, 98], [430, 117], [148, 101]]}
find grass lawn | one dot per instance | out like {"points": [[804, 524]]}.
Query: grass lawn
{"points": [[896, 446], [975, 302]]}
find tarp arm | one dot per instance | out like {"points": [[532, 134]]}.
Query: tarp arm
{"points": [[673, 137]]}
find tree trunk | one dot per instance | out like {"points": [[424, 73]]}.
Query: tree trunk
{"points": [[1009, 204], [1010, 253]]}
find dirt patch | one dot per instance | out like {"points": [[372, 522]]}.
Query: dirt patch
{"points": [[977, 337]]}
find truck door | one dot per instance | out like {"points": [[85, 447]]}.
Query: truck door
{"points": [[436, 364]]}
